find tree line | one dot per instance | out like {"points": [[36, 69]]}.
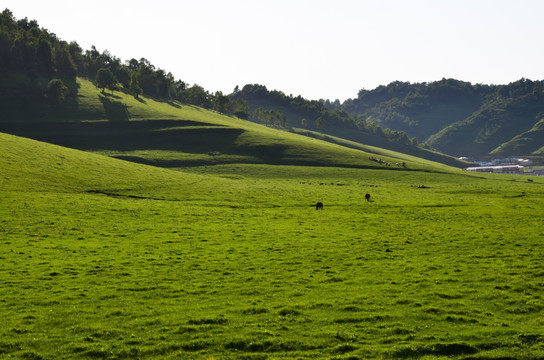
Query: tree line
{"points": [[274, 107], [41, 68]]}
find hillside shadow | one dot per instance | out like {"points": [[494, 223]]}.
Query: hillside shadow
{"points": [[130, 93], [115, 110], [171, 103], [112, 95]]}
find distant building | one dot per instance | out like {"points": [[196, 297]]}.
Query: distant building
{"points": [[526, 162], [484, 163], [505, 169], [512, 161]]}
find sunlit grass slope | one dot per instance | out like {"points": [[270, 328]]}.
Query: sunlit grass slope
{"points": [[175, 135], [32, 166], [528, 142], [104, 259]]}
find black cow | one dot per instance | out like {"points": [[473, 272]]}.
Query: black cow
{"points": [[319, 206], [367, 197]]}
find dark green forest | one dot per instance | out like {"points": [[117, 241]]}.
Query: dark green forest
{"points": [[451, 116], [38, 74], [457, 117]]}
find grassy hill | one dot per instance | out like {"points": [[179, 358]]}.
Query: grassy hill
{"points": [[458, 118], [419, 109], [339, 124], [103, 258], [33, 166], [490, 129], [528, 142], [170, 134]]}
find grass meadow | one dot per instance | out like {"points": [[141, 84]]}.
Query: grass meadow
{"points": [[105, 259]]}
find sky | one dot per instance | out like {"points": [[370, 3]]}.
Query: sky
{"points": [[314, 48]]}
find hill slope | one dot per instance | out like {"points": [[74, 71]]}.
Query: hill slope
{"points": [[33, 166], [498, 121], [40, 83], [170, 134], [303, 117], [419, 109], [456, 117], [528, 142]]}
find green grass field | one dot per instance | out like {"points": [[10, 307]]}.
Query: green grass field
{"points": [[107, 259]]}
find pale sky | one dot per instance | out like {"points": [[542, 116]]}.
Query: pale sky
{"points": [[315, 48]]}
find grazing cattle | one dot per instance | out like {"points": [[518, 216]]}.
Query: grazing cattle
{"points": [[319, 206], [367, 197]]}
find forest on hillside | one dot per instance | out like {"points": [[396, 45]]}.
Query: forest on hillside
{"points": [[458, 117], [39, 70], [451, 116], [38, 74]]}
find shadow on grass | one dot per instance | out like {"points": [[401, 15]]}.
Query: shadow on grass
{"points": [[115, 110], [171, 103], [436, 350]]}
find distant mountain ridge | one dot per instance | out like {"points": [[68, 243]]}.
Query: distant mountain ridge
{"points": [[459, 118], [450, 116]]}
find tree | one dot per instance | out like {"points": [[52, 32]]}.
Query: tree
{"points": [[146, 78], [221, 103], [196, 95], [17, 53], [76, 53], [320, 123], [259, 115], [241, 109], [44, 55], [63, 62], [282, 119], [304, 122], [56, 91], [105, 79], [135, 86], [123, 76], [132, 64]]}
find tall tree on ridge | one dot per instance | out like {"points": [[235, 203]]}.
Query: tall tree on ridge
{"points": [[105, 79]]}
